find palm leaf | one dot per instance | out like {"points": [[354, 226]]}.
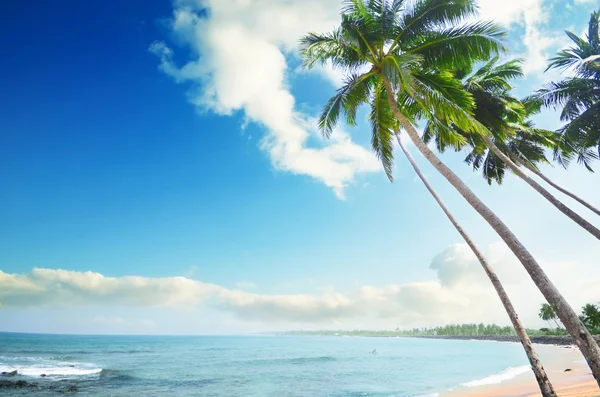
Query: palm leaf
{"points": [[458, 46], [383, 123]]}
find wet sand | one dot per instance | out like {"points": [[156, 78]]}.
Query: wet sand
{"points": [[578, 382]]}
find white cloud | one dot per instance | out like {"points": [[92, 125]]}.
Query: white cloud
{"points": [[239, 64], [533, 16], [459, 293]]}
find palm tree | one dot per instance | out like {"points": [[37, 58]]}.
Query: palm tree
{"points": [[513, 139], [591, 317], [547, 313], [536, 365], [402, 52], [579, 95]]}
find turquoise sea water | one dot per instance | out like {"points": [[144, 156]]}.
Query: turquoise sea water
{"points": [[254, 365]]}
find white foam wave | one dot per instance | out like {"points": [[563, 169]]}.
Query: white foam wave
{"points": [[505, 375], [59, 371]]}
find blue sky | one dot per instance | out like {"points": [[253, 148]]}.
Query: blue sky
{"points": [[161, 140]]}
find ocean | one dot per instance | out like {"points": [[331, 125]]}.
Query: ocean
{"points": [[226, 366]]}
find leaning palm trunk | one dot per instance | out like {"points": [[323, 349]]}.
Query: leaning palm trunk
{"points": [[558, 187], [594, 231], [582, 337], [540, 374]]}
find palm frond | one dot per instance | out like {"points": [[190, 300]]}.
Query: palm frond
{"points": [[397, 69], [318, 49], [425, 15], [347, 99], [383, 123], [456, 47], [442, 95]]}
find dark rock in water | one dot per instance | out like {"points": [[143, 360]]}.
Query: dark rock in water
{"points": [[568, 370], [72, 366], [7, 384], [21, 384], [12, 373], [43, 375]]}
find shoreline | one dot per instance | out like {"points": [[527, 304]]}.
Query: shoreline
{"points": [[538, 340], [577, 381], [555, 340]]}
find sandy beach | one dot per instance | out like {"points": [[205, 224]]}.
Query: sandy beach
{"points": [[578, 382]]}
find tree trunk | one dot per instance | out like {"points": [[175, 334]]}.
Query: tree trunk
{"points": [[581, 336], [558, 187], [557, 323], [540, 374], [594, 231]]}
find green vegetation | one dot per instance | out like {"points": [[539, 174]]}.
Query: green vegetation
{"points": [[579, 96], [590, 316], [491, 330], [412, 62], [547, 313]]}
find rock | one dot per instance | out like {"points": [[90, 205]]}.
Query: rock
{"points": [[12, 373], [568, 370], [43, 375], [7, 384], [72, 389], [72, 366]]}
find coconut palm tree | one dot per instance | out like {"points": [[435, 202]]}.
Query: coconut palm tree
{"points": [[547, 313], [590, 314], [579, 96], [401, 52], [536, 365], [514, 141]]}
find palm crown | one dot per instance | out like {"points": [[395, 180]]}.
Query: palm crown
{"points": [[408, 47], [503, 115], [579, 95]]}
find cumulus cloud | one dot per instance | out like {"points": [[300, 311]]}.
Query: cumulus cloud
{"points": [[459, 293], [47, 287], [533, 16], [239, 64]]}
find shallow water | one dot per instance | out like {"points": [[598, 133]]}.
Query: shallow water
{"points": [[254, 365]]}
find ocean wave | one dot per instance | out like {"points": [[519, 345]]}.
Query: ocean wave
{"points": [[505, 375], [303, 360], [62, 358], [293, 360], [50, 371]]}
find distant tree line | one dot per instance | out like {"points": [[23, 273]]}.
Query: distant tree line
{"points": [[590, 316]]}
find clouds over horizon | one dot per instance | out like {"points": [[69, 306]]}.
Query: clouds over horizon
{"points": [[460, 292]]}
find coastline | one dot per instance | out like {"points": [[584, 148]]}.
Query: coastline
{"points": [[562, 340], [537, 340], [577, 382]]}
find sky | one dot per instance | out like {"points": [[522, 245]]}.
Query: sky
{"points": [[162, 173]]}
